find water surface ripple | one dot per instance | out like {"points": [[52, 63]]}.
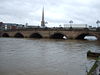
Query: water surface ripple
{"points": [[44, 56]]}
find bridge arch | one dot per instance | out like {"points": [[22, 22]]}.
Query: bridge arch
{"points": [[83, 36], [5, 35], [19, 35], [35, 35], [58, 36]]}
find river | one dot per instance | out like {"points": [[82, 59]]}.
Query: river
{"points": [[45, 56]]}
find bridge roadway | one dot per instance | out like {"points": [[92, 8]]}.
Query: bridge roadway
{"points": [[57, 33]]}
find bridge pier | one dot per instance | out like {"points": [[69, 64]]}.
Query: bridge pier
{"points": [[98, 35], [0, 34], [98, 38]]}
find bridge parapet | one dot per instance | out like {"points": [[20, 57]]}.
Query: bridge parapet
{"points": [[49, 29]]}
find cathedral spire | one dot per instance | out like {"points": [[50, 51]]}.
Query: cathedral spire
{"points": [[43, 22]]}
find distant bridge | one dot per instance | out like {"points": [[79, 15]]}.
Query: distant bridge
{"points": [[56, 33]]}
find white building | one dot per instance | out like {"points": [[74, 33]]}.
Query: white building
{"points": [[76, 25]]}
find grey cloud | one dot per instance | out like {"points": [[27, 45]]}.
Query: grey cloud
{"points": [[81, 11]]}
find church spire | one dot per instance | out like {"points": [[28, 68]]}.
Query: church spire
{"points": [[43, 22]]}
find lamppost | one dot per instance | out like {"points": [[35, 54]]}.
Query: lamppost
{"points": [[70, 23], [97, 22]]}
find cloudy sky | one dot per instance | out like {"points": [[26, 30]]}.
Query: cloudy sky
{"points": [[57, 12]]}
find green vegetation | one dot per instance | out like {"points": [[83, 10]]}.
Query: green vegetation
{"points": [[93, 67]]}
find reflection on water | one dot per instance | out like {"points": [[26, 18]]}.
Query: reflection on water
{"points": [[44, 56], [90, 38]]}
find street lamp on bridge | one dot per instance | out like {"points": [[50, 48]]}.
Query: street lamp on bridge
{"points": [[97, 22], [70, 23]]}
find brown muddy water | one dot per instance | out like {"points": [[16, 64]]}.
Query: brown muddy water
{"points": [[45, 56]]}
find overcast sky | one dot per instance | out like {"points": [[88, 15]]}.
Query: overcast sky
{"points": [[57, 12]]}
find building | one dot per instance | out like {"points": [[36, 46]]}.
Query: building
{"points": [[7, 26], [75, 25], [2, 26]]}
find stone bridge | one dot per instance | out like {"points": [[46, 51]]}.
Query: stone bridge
{"points": [[56, 33]]}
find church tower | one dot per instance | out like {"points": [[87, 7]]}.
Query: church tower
{"points": [[43, 22]]}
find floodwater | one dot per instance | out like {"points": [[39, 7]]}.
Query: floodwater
{"points": [[45, 56]]}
